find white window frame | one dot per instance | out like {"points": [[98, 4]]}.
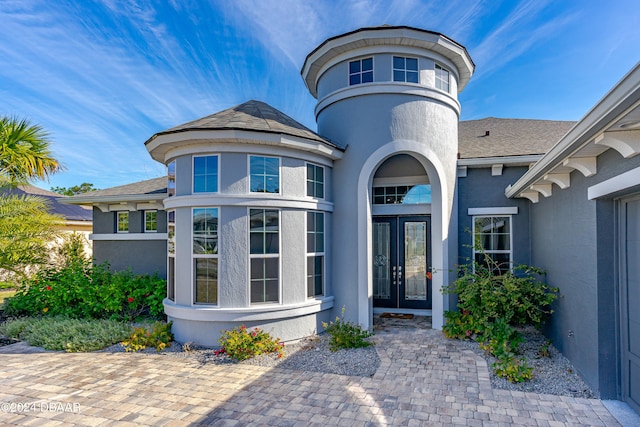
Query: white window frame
{"points": [[146, 222], [324, 174], [203, 256], [263, 256], [171, 242], [440, 83], [487, 251], [249, 174], [193, 173], [349, 73], [393, 69], [118, 213], [315, 254]]}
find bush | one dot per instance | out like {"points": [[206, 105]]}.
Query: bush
{"points": [[240, 344], [71, 335], [490, 304], [345, 334], [79, 290], [157, 335]]}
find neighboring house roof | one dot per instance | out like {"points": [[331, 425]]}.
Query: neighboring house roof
{"points": [[252, 116], [150, 189], [493, 137], [68, 212]]}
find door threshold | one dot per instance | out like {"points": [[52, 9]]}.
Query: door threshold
{"points": [[414, 311]]}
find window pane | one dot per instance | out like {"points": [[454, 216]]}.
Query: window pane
{"points": [[319, 223], [271, 291], [257, 184], [354, 67], [398, 62], [398, 75], [367, 64], [271, 244], [412, 64], [256, 243], [271, 165], [205, 231], [412, 77], [257, 268], [367, 77], [171, 279], [310, 189], [319, 174], [206, 278], [199, 165], [354, 79], [272, 184], [256, 219], [271, 268], [257, 291]]}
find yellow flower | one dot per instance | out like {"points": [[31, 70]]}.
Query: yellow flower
{"points": [[44, 310]]}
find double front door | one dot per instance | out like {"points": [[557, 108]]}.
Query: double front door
{"points": [[401, 262]]}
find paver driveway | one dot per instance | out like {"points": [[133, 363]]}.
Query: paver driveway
{"points": [[422, 380]]}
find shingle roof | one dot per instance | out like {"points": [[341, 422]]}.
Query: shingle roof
{"points": [[508, 137], [69, 212], [252, 116], [150, 186]]}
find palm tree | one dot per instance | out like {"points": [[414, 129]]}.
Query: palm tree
{"points": [[24, 152]]}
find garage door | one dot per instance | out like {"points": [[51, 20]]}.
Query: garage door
{"points": [[630, 301]]}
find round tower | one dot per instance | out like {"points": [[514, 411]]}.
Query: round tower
{"points": [[389, 95]]}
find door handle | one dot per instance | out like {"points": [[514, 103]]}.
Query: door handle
{"points": [[399, 272]]}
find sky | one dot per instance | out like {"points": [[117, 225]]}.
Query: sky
{"points": [[103, 76]]}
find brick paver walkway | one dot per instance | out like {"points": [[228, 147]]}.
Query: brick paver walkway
{"points": [[422, 380]]}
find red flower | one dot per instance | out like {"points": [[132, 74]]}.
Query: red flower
{"points": [[130, 299], [48, 288], [429, 275]]}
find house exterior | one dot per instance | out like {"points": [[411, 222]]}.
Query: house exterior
{"points": [[266, 223]]}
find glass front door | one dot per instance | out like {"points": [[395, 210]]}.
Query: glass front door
{"points": [[401, 262]]}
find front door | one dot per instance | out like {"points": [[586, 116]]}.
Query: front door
{"points": [[401, 262]]}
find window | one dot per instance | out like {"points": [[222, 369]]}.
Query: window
{"points": [[442, 78], [315, 254], [402, 194], [171, 252], [171, 179], [264, 174], [205, 174], [205, 255], [122, 222], [264, 242], [405, 69], [361, 71], [150, 221], [315, 181], [492, 242]]}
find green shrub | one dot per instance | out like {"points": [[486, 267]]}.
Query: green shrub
{"points": [[241, 344], [345, 334], [80, 290], [60, 333], [157, 335], [513, 369]]}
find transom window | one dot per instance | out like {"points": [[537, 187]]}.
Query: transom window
{"points": [[205, 174], [402, 194], [405, 69], [122, 222], [315, 181], [492, 242], [171, 178], [442, 78], [205, 255], [264, 252], [361, 71], [315, 254], [150, 221], [264, 174]]}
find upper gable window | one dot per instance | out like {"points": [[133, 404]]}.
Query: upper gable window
{"points": [[361, 71], [205, 174], [264, 174], [442, 78], [405, 69], [315, 181]]}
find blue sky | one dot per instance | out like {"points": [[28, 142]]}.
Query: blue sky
{"points": [[103, 76]]}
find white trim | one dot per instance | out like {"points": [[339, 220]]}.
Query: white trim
{"points": [[267, 200], [360, 59], [377, 88], [492, 251], [193, 256], [507, 160], [315, 254], [401, 180], [118, 231], [462, 171], [496, 170], [400, 209], [493, 211], [247, 314], [306, 175], [393, 68], [621, 182], [251, 256], [144, 213], [128, 236]]}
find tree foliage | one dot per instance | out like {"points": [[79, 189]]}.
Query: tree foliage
{"points": [[85, 187]]}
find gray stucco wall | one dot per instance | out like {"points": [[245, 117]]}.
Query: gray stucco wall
{"points": [[141, 256], [105, 222], [574, 240], [479, 189]]}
